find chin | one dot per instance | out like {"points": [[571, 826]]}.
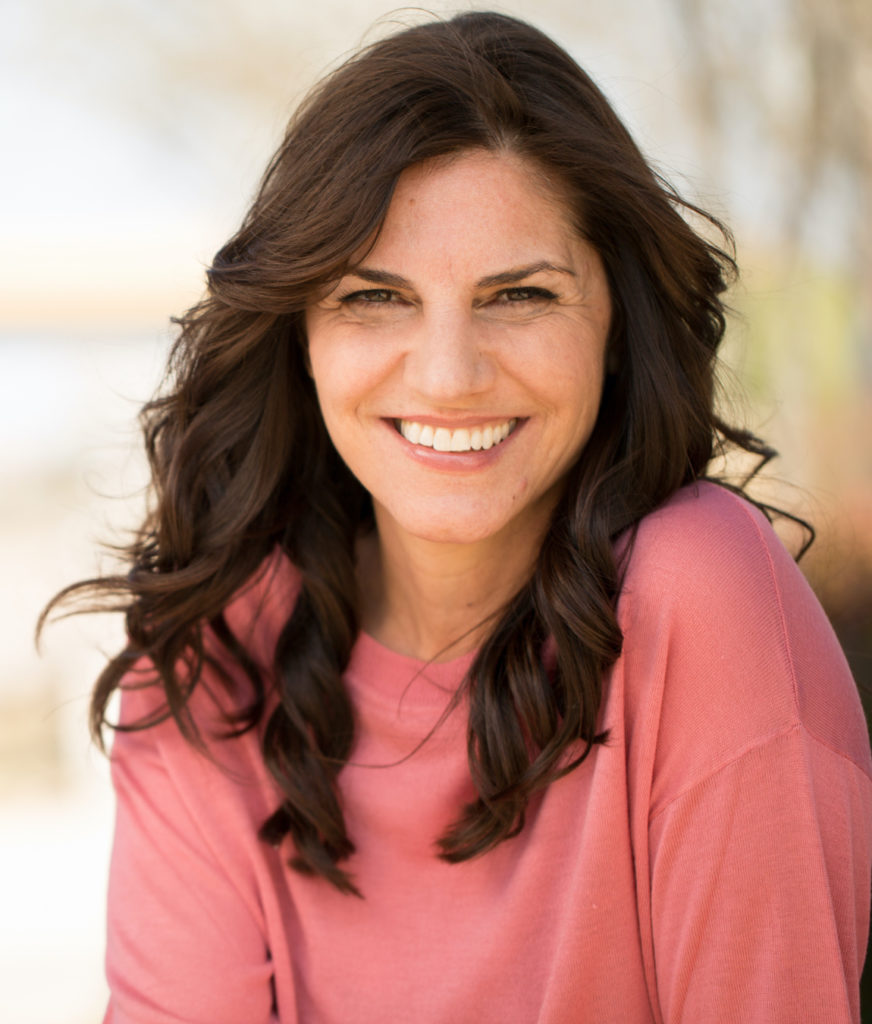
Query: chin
{"points": [[457, 523], [456, 537], [441, 531]]}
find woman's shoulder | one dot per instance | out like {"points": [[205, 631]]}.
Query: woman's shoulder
{"points": [[725, 644], [711, 556], [705, 526], [255, 616], [708, 563], [708, 548]]}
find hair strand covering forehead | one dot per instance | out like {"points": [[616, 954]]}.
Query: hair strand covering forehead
{"points": [[242, 465]]}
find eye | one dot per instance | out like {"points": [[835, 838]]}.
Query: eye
{"points": [[370, 296], [526, 293]]}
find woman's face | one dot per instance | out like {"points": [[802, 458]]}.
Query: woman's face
{"points": [[459, 364]]}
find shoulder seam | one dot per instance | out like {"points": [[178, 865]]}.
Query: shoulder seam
{"points": [[750, 748]]}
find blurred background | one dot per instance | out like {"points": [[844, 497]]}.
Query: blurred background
{"points": [[134, 133]]}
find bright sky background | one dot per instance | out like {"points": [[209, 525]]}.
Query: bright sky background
{"points": [[119, 183]]}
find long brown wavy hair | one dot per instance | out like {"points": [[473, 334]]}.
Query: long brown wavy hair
{"points": [[242, 464]]}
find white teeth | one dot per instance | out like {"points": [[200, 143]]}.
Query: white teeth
{"points": [[441, 439], [460, 441]]}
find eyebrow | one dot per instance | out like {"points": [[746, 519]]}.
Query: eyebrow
{"points": [[385, 277]]}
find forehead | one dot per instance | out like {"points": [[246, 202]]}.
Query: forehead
{"points": [[476, 198]]}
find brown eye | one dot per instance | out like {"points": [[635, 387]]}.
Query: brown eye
{"points": [[525, 295], [375, 296]]}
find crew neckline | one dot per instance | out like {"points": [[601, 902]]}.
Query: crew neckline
{"points": [[377, 671]]}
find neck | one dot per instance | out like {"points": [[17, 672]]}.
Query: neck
{"points": [[437, 601]]}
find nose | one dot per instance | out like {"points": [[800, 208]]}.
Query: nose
{"points": [[448, 358]]}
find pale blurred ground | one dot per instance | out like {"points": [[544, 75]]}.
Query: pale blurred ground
{"points": [[133, 134], [65, 417]]}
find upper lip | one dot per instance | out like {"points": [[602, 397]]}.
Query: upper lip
{"points": [[457, 422]]}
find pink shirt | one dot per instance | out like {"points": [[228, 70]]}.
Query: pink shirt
{"points": [[709, 863]]}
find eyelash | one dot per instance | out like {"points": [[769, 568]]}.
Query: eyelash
{"points": [[525, 293], [516, 294], [367, 295]]}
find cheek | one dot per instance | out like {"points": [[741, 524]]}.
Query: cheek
{"points": [[328, 388], [348, 366], [347, 388], [326, 363], [569, 378]]}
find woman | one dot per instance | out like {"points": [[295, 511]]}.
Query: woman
{"points": [[454, 691]]}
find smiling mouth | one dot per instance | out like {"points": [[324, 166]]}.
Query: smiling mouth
{"points": [[463, 439]]}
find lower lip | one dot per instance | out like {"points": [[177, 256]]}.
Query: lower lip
{"points": [[454, 461]]}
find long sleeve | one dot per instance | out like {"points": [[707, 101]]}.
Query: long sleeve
{"points": [[754, 876], [755, 854], [185, 940]]}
